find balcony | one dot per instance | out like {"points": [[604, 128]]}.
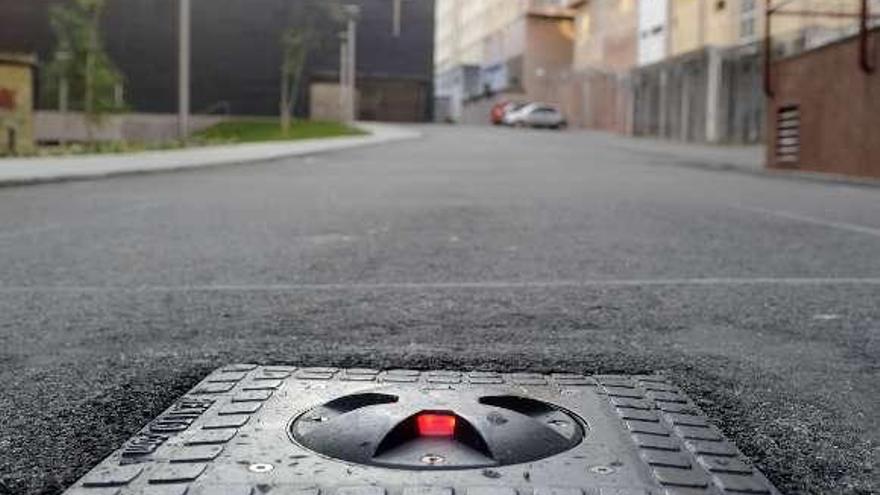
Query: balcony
{"points": [[552, 8]]}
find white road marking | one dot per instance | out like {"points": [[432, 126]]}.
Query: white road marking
{"points": [[502, 285], [826, 317], [851, 227]]}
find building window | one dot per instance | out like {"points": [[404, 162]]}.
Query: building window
{"points": [[747, 15], [747, 29]]}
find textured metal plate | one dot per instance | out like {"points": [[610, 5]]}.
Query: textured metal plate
{"points": [[230, 435]]}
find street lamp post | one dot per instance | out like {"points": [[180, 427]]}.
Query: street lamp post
{"points": [[352, 12], [183, 103], [396, 14], [343, 76], [63, 57]]}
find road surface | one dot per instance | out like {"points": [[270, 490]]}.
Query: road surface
{"points": [[471, 248]]}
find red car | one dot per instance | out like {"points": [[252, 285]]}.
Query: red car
{"points": [[500, 109], [496, 115]]}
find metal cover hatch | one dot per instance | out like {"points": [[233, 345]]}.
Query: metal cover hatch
{"points": [[404, 427], [250, 430]]}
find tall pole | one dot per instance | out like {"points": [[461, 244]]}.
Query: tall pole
{"points": [[713, 95], [768, 50], [343, 76], [668, 28], [351, 111], [183, 70], [89, 104], [396, 14], [351, 69], [64, 88], [284, 110]]}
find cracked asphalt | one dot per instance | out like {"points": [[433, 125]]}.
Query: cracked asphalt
{"points": [[470, 248]]}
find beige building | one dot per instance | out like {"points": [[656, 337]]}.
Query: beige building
{"points": [[586, 57], [698, 23], [605, 34], [16, 103], [605, 49], [694, 24], [476, 32], [489, 50]]}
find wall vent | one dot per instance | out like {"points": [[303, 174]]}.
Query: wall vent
{"points": [[788, 134]]}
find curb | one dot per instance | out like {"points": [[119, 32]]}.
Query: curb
{"points": [[668, 157], [800, 175], [264, 153]]}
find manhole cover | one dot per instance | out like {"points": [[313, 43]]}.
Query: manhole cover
{"points": [[249, 430], [407, 427]]}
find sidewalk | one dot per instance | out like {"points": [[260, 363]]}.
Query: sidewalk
{"points": [[17, 171], [735, 158], [748, 158]]}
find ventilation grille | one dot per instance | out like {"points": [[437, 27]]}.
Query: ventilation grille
{"points": [[788, 134]]}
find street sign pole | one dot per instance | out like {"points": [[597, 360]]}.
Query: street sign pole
{"points": [[343, 76], [351, 109], [183, 70], [63, 57]]}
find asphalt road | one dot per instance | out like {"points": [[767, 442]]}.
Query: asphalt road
{"points": [[470, 248]]}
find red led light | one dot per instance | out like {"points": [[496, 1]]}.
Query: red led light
{"points": [[436, 425]]}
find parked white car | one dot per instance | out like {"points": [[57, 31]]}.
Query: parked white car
{"points": [[536, 115]]}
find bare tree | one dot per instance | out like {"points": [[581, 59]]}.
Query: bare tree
{"points": [[312, 27], [295, 47]]}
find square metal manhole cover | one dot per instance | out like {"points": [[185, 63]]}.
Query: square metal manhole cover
{"points": [[250, 430]]}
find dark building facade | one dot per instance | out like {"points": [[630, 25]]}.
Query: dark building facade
{"points": [[236, 53]]}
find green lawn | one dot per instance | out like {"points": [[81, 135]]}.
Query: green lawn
{"points": [[244, 131], [237, 131]]}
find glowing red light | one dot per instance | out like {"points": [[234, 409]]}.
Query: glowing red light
{"points": [[436, 425]]}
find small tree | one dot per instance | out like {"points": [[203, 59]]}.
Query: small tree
{"points": [[81, 61], [306, 34], [295, 46]]}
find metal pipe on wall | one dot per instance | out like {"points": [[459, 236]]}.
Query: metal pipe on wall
{"points": [[864, 51], [768, 50]]}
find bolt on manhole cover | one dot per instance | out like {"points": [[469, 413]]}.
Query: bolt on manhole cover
{"points": [[249, 430]]}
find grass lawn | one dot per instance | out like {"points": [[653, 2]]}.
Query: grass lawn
{"points": [[245, 131], [236, 131]]}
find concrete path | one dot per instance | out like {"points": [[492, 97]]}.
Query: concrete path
{"points": [[17, 171]]}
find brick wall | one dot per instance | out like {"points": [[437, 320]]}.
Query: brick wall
{"points": [[606, 101], [837, 106], [548, 57], [16, 103], [53, 127]]}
